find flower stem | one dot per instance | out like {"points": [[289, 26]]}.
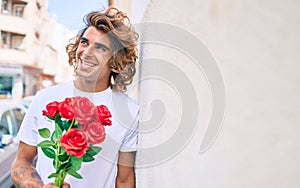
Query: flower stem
{"points": [[59, 180], [72, 123]]}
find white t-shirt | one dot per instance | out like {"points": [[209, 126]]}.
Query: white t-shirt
{"points": [[120, 136]]}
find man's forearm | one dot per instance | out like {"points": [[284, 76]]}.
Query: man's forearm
{"points": [[24, 175], [125, 184], [111, 2]]}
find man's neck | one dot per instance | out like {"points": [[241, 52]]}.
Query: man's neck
{"points": [[90, 86]]}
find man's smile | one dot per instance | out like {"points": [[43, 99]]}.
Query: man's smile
{"points": [[87, 64]]}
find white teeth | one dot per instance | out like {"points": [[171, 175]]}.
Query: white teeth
{"points": [[88, 64]]}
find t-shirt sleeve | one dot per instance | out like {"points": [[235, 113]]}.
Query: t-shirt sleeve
{"points": [[28, 131], [130, 140]]}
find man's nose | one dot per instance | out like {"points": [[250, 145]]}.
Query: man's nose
{"points": [[88, 51]]}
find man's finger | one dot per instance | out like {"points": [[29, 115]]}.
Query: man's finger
{"points": [[66, 185]]}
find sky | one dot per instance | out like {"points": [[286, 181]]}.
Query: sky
{"points": [[71, 12]]}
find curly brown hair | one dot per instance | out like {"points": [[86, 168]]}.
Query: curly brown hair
{"points": [[117, 25]]}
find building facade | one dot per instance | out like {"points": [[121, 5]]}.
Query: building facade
{"points": [[27, 57]]}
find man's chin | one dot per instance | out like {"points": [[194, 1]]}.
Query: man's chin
{"points": [[87, 76]]}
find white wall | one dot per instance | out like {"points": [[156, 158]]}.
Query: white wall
{"points": [[256, 45]]}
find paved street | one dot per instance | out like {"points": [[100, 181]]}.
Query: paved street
{"points": [[7, 155]]}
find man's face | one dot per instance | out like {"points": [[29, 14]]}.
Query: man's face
{"points": [[92, 55]]}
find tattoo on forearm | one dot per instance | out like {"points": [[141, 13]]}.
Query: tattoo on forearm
{"points": [[20, 174], [36, 176], [21, 171]]}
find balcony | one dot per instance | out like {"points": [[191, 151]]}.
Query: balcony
{"points": [[12, 56], [13, 24]]}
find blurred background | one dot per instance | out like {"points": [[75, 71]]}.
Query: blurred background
{"points": [[255, 45]]}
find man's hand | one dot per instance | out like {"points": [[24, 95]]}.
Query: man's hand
{"points": [[50, 185], [23, 172]]}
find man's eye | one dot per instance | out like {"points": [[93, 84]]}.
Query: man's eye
{"points": [[102, 49], [83, 42]]}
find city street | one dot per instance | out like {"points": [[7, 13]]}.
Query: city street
{"points": [[7, 155]]}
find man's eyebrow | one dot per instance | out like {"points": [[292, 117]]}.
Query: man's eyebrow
{"points": [[84, 39], [100, 45]]}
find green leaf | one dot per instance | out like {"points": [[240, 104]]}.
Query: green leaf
{"points": [[58, 131], [63, 157], [66, 124], [74, 174], [53, 137], [53, 175], [46, 144], [57, 117], [93, 150], [58, 121], [44, 133], [64, 166], [88, 158], [50, 117], [54, 163], [49, 152], [76, 162]]}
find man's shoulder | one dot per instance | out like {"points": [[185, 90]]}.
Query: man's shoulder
{"points": [[120, 98], [56, 89], [54, 93]]}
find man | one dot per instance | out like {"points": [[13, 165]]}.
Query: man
{"points": [[103, 55]]}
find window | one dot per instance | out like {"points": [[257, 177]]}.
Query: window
{"points": [[4, 7], [6, 85], [12, 40], [17, 41], [4, 39], [18, 8]]}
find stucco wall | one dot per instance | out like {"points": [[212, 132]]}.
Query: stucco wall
{"points": [[256, 46]]}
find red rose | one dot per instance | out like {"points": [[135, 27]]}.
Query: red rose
{"points": [[51, 109], [84, 110], [94, 132], [66, 109], [74, 142], [104, 115]]}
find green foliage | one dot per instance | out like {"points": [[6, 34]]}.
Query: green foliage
{"points": [[74, 174], [63, 166], [66, 124], [88, 158], [49, 152], [46, 144], [76, 163], [53, 175], [44, 133], [93, 150], [63, 157], [58, 120], [58, 131]]}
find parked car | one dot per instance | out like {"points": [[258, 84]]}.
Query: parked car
{"points": [[11, 117]]}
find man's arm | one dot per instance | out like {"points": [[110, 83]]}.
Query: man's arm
{"points": [[111, 2], [126, 176], [23, 172]]}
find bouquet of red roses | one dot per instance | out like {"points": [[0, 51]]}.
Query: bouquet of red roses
{"points": [[79, 125]]}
